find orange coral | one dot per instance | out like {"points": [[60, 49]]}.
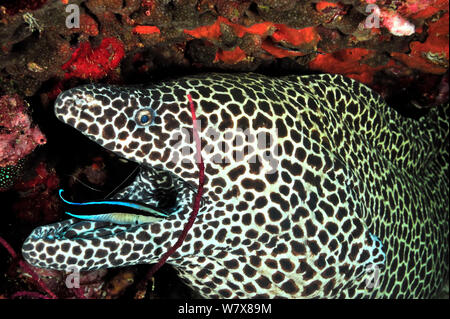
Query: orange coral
{"points": [[18, 136], [231, 57], [213, 31], [432, 56], [282, 33], [207, 31], [349, 62], [422, 9], [146, 29], [323, 6], [296, 37], [258, 28]]}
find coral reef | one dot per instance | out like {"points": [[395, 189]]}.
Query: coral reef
{"points": [[12, 7], [18, 138], [388, 45], [38, 200], [238, 34], [353, 63], [9, 174], [432, 55], [94, 63]]}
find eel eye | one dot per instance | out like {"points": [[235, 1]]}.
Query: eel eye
{"points": [[144, 117]]}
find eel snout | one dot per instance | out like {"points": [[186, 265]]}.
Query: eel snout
{"points": [[84, 244]]}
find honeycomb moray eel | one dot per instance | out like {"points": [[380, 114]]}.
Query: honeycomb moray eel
{"points": [[344, 198]]}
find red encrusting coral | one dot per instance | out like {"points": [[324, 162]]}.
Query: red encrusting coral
{"points": [[43, 179], [39, 202], [230, 56], [258, 28], [431, 56], [420, 9], [88, 26], [281, 32], [324, 6], [209, 32], [394, 14], [349, 62], [306, 38], [87, 62], [146, 29], [18, 136], [330, 10], [296, 37], [277, 51]]}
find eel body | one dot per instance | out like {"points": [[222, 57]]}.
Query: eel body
{"points": [[314, 187]]}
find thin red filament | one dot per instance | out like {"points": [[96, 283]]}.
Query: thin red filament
{"points": [[30, 271], [198, 196]]}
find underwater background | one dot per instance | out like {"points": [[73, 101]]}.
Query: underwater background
{"points": [[399, 48]]}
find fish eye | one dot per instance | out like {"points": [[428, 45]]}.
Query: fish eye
{"points": [[144, 117]]}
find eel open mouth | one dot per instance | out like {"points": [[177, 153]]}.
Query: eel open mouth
{"points": [[113, 232], [149, 198]]}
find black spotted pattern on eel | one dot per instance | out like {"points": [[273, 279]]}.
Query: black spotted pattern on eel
{"points": [[314, 187]]}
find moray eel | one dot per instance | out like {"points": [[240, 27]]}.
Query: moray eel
{"points": [[314, 187]]}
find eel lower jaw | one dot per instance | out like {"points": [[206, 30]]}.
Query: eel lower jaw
{"points": [[53, 246]]}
